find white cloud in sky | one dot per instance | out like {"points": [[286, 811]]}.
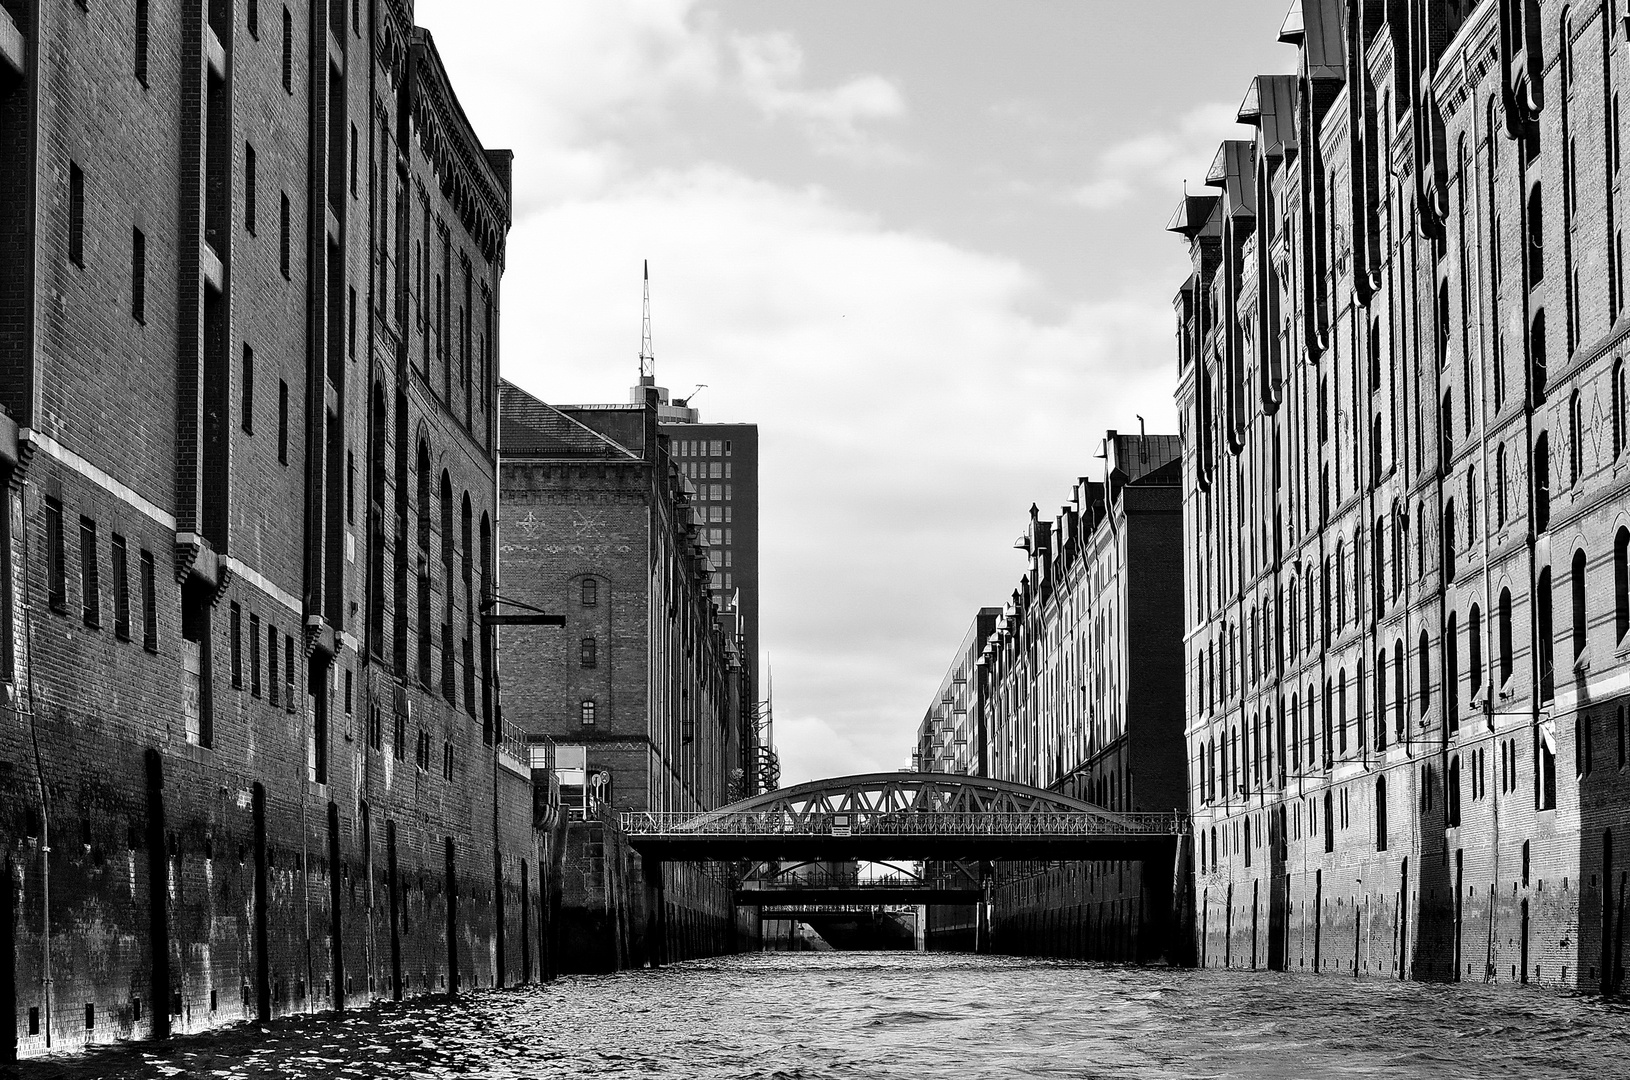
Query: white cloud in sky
{"points": [[911, 401], [771, 67], [1159, 159], [910, 411]]}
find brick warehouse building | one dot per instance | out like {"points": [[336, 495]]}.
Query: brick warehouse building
{"points": [[1080, 689], [250, 496], [645, 675], [1402, 389], [721, 462]]}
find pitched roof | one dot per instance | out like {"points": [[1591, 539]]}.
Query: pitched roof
{"points": [[529, 428]]}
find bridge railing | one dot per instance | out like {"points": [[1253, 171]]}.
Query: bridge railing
{"points": [[901, 823]]}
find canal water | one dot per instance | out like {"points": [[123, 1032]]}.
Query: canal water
{"points": [[904, 1015]]}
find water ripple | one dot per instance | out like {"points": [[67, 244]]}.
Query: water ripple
{"points": [[860, 1016]]}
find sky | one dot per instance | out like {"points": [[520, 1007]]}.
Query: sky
{"points": [[920, 243]]}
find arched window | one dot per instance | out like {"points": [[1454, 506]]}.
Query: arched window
{"points": [[1294, 621], [1341, 711], [449, 683], [1542, 482], [1420, 540], [1621, 584], [1451, 674], [1538, 371], [1324, 606], [467, 555], [1380, 699], [1505, 636], [1576, 438], [1618, 405], [1312, 729], [1380, 813], [1446, 437], [1399, 722], [1474, 648], [1449, 540], [1499, 485], [1329, 722], [1452, 794], [1295, 736], [1341, 584], [1425, 659], [1579, 629], [425, 512], [1536, 234], [1545, 667]]}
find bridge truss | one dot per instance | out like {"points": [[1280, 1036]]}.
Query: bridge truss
{"points": [[905, 815]]}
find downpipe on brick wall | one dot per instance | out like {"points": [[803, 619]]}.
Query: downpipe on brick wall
{"points": [[39, 770]]}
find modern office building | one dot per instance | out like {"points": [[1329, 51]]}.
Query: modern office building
{"points": [[1406, 459], [250, 259]]}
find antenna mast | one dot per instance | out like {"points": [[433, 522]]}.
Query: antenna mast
{"points": [[648, 360]]}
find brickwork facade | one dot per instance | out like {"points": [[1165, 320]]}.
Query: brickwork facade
{"points": [[251, 759], [1406, 524], [644, 677], [1080, 691]]}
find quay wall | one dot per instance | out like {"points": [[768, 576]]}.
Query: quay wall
{"points": [[605, 919]]}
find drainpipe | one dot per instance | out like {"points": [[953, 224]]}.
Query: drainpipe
{"points": [[39, 771]]}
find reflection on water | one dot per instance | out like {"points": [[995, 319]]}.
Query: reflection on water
{"points": [[864, 1015]]}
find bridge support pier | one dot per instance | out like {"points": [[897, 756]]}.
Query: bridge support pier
{"points": [[981, 910], [656, 914]]}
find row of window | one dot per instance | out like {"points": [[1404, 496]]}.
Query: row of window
{"points": [[90, 577], [704, 448], [422, 754], [253, 656], [1217, 671]]}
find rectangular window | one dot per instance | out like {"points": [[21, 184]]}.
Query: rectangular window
{"points": [[288, 51], [591, 592], [141, 41], [350, 488], [282, 422], [447, 761], [248, 390], [351, 322], [353, 161], [271, 664], [121, 589], [254, 655], [586, 711], [138, 276], [56, 557], [283, 237], [252, 18], [249, 187], [76, 215], [586, 652], [237, 645], [288, 672], [149, 603]]}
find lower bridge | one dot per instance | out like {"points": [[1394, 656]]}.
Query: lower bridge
{"points": [[882, 817]]}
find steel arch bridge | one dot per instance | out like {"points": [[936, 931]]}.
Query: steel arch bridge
{"points": [[906, 815]]}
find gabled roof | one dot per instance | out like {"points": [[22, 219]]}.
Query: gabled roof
{"points": [[529, 428]]}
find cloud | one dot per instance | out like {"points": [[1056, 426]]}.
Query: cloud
{"points": [[771, 69], [1157, 159], [910, 406]]}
